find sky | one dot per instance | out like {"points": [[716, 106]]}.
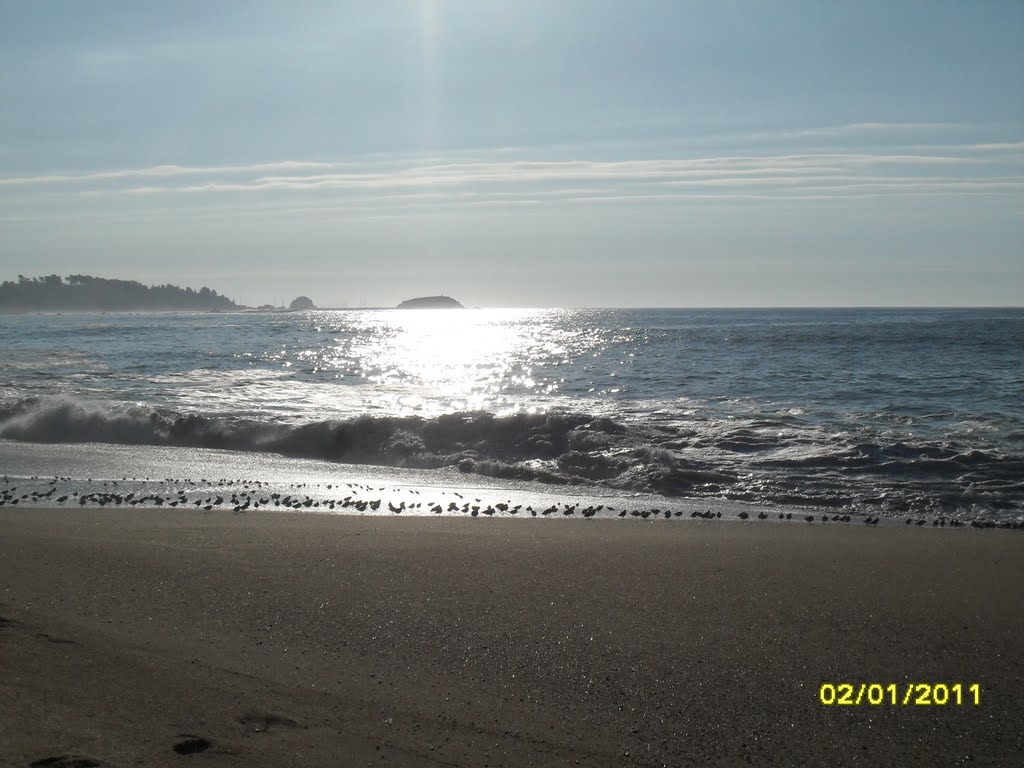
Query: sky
{"points": [[520, 152]]}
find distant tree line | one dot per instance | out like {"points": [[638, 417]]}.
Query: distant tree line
{"points": [[82, 292]]}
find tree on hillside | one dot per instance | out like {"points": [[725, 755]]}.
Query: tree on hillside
{"points": [[84, 292]]}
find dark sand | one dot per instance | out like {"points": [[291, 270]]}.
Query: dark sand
{"points": [[314, 640]]}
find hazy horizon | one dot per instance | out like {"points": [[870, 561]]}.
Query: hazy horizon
{"points": [[579, 154], [279, 303]]}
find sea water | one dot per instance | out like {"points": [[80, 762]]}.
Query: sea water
{"points": [[874, 410]]}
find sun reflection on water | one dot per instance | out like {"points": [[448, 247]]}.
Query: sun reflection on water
{"points": [[433, 361]]}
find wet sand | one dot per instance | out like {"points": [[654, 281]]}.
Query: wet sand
{"points": [[318, 640]]}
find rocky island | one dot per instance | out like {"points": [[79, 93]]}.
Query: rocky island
{"points": [[431, 302]]}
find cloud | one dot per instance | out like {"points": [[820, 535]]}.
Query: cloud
{"points": [[166, 171], [498, 178]]}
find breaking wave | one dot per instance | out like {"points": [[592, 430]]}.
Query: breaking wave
{"points": [[779, 460]]}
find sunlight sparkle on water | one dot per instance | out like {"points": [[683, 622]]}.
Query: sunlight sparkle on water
{"points": [[431, 361]]}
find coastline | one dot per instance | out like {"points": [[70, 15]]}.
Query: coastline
{"points": [[285, 638], [97, 474]]}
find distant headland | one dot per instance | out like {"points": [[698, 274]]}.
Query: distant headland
{"points": [[431, 302], [85, 293]]}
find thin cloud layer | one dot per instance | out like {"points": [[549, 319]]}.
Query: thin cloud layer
{"points": [[497, 178]]}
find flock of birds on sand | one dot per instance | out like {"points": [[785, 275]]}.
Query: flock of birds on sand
{"points": [[244, 495]]}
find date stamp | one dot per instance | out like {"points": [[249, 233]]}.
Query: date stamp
{"points": [[900, 694]]}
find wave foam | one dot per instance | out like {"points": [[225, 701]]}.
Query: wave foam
{"points": [[763, 461]]}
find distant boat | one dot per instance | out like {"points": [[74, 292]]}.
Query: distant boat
{"points": [[431, 302]]}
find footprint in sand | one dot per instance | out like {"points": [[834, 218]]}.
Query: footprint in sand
{"points": [[191, 744], [57, 640], [262, 721]]}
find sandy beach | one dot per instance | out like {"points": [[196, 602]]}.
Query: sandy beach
{"points": [[320, 640]]}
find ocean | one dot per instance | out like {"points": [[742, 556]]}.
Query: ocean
{"points": [[875, 411]]}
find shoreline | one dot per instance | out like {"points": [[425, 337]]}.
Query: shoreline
{"points": [[340, 639], [224, 481]]}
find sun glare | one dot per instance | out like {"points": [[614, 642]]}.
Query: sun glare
{"points": [[464, 357]]}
